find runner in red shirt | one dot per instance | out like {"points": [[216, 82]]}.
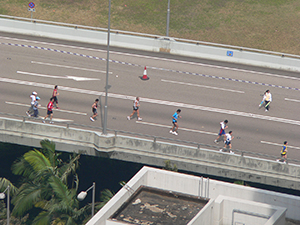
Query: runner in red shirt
{"points": [[54, 95], [49, 110]]}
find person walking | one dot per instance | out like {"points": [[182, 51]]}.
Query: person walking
{"points": [[224, 126], [33, 98], [54, 95], [94, 110], [36, 107], [175, 122], [228, 140], [283, 153], [50, 110], [136, 105]]}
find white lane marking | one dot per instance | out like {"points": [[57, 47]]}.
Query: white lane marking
{"points": [[166, 126], [41, 107], [69, 67], [271, 143], [58, 77], [198, 85], [156, 101], [292, 100], [156, 58]]}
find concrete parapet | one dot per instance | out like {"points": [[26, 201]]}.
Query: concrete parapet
{"points": [[204, 161]]}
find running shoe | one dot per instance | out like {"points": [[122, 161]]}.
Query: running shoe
{"points": [[175, 133], [128, 117], [92, 119], [139, 118], [51, 122], [27, 114], [171, 132]]}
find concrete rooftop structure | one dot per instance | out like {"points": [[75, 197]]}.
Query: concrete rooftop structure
{"points": [[156, 196]]}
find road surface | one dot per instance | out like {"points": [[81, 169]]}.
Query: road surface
{"points": [[207, 92]]}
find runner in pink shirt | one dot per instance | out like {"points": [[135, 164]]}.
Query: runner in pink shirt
{"points": [[49, 110]]}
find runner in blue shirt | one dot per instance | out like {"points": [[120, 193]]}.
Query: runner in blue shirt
{"points": [[174, 121]]}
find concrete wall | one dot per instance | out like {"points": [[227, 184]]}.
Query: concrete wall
{"points": [[153, 43], [144, 151]]}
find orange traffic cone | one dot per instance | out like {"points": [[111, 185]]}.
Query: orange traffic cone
{"points": [[145, 77]]}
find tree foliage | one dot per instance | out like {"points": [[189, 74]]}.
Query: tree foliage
{"points": [[49, 188]]}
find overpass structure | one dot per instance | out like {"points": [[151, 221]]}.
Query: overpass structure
{"points": [[149, 150]]}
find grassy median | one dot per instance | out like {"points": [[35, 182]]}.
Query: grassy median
{"points": [[264, 24]]}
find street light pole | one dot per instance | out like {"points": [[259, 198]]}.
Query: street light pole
{"points": [[81, 196], [168, 18], [107, 70], [2, 196]]}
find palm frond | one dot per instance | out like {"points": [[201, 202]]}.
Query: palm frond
{"points": [[27, 196], [42, 219], [37, 160], [4, 183]]}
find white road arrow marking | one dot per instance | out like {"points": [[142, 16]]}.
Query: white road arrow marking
{"points": [[58, 77]]}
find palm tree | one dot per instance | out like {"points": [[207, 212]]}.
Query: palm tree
{"points": [[45, 187]]}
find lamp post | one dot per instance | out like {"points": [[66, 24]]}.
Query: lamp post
{"points": [[81, 196], [107, 70], [168, 18], [2, 196]]}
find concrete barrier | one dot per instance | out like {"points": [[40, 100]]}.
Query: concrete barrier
{"points": [[146, 42], [204, 161]]}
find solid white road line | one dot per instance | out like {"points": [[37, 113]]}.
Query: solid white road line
{"points": [[69, 67], [271, 143], [58, 77], [181, 128], [292, 100], [156, 101], [41, 107], [198, 85], [155, 58]]}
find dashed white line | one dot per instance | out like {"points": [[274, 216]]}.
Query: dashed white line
{"points": [[276, 144], [69, 67], [203, 86], [292, 100], [41, 107], [181, 128], [157, 101], [156, 58]]}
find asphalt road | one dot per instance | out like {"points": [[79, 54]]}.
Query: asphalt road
{"points": [[207, 92]]}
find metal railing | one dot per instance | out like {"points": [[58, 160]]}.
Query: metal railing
{"points": [[162, 37], [155, 138]]}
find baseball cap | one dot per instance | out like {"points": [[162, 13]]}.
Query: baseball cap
{"points": [[34, 93]]}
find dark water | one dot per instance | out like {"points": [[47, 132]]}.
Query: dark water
{"points": [[106, 173]]}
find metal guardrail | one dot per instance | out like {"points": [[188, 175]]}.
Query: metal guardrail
{"points": [[76, 26], [154, 138]]}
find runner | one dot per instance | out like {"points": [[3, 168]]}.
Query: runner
{"points": [[33, 98], [36, 107], [136, 105], [94, 110], [175, 122], [54, 95], [49, 110], [268, 100], [223, 125], [229, 137], [283, 153]]}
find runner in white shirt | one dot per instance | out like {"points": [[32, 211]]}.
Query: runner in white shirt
{"points": [[223, 125], [136, 105], [33, 99], [229, 137]]}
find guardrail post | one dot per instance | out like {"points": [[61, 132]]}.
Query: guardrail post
{"points": [[115, 133], [68, 125], [154, 140], [242, 154], [24, 119], [198, 148]]}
